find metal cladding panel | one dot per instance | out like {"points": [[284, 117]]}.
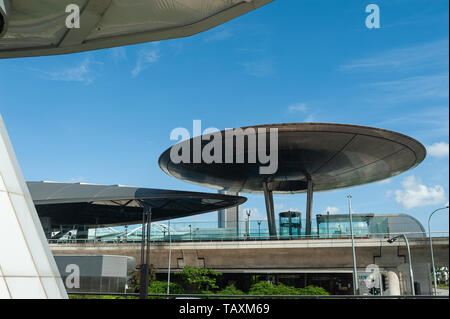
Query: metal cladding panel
{"points": [[95, 273], [89, 266], [115, 266], [39, 27], [95, 266], [333, 155], [27, 267]]}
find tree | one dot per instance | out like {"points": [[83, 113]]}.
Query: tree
{"points": [[198, 279]]}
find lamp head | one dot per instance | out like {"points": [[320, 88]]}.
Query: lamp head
{"points": [[391, 240]]}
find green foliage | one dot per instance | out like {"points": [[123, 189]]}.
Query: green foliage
{"points": [[160, 287], [231, 290], [313, 291], [99, 297], [133, 281], [198, 279], [266, 288], [135, 278], [110, 297]]}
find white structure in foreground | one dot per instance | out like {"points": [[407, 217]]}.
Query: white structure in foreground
{"points": [[27, 266]]}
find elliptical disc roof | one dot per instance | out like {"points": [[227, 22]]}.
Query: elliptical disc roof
{"points": [[333, 155]]}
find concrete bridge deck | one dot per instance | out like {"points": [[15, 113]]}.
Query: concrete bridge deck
{"points": [[276, 255]]}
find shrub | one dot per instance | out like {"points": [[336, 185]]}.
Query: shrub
{"points": [[313, 291], [160, 287], [266, 288], [263, 288], [230, 290]]}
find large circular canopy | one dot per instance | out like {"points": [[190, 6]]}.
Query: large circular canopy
{"points": [[332, 155], [36, 28], [89, 204]]}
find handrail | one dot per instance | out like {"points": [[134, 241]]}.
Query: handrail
{"points": [[206, 238]]}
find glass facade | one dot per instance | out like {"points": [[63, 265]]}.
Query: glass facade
{"points": [[290, 226], [368, 225]]}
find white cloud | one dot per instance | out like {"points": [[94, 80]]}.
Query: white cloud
{"points": [[332, 210], [426, 123], [413, 88], [219, 36], [310, 118], [118, 54], [440, 149], [425, 54], [299, 107], [385, 181], [414, 194], [79, 73], [146, 57]]}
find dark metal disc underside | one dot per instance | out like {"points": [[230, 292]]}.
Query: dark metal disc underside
{"points": [[333, 155]]}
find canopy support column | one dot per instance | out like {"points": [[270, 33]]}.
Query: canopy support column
{"points": [[268, 197], [309, 203], [145, 251]]}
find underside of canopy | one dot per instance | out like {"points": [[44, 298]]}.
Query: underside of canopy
{"points": [[35, 28]]}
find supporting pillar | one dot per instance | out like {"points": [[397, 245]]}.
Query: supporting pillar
{"points": [[221, 215], [82, 232], [268, 197], [309, 203], [46, 223], [145, 251]]}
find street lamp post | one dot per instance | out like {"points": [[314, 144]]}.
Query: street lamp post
{"points": [[248, 212], [411, 275], [259, 229], [328, 224], [431, 247], [355, 273]]}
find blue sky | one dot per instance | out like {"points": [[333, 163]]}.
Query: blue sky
{"points": [[106, 116]]}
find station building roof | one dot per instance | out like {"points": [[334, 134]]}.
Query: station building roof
{"points": [[90, 204]]}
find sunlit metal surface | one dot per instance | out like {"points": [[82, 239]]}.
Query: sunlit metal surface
{"points": [[39, 27], [89, 204], [333, 155]]}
